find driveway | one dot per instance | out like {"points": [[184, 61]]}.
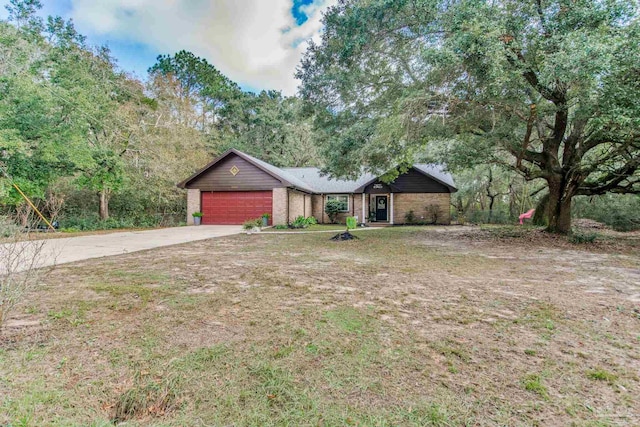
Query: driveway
{"points": [[70, 249]]}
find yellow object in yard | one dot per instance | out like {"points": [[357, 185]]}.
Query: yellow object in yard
{"points": [[24, 196]]}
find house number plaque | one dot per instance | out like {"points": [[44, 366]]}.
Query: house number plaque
{"points": [[377, 186]]}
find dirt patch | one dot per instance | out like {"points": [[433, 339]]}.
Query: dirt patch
{"points": [[405, 326]]}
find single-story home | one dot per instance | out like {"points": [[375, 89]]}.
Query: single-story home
{"points": [[236, 187]]}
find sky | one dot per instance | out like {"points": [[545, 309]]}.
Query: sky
{"points": [[256, 43]]}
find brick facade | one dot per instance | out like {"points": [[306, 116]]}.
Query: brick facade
{"points": [[296, 204], [418, 203], [279, 210], [193, 204]]}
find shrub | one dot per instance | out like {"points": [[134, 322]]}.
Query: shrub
{"points": [[410, 217], [302, 222], [352, 223], [434, 213], [619, 211], [299, 222], [332, 208], [280, 227], [579, 237], [8, 228], [250, 224]]}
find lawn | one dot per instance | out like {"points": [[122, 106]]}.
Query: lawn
{"points": [[314, 227], [415, 326]]}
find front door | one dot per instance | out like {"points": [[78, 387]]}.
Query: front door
{"points": [[381, 208]]}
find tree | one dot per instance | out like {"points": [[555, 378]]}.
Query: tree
{"points": [[273, 128], [201, 87], [553, 84]]}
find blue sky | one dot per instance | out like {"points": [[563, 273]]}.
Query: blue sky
{"points": [[257, 43]]}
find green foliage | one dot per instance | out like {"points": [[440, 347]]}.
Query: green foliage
{"points": [[250, 224], [302, 222], [352, 223], [621, 212], [270, 127], [410, 217], [8, 227], [93, 222], [579, 237], [332, 208], [197, 214], [541, 87], [434, 213], [602, 375], [533, 383]]}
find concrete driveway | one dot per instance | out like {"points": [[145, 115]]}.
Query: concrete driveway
{"points": [[70, 249]]}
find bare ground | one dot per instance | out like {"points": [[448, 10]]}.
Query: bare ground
{"points": [[406, 326]]}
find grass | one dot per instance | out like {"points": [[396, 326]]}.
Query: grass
{"points": [[533, 383], [602, 375], [315, 227], [406, 326]]}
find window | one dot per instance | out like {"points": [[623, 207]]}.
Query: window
{"points": [[344, 200]]}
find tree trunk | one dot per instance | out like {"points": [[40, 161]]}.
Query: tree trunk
{"points": [[540, 216], [104, 204], [559, 207], [491, 201]]}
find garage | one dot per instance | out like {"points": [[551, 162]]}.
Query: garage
{"points": [[234, 207]]}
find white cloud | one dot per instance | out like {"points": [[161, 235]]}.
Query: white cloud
{"points": [[254, 42]]}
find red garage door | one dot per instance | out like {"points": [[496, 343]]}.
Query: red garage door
{"points": [[234, 207]]}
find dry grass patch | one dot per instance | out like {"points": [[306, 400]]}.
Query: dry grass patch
{"points": [[407, 326]]}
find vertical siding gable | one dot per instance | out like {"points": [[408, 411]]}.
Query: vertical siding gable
{"points": [[248, 178], [416, 182]]}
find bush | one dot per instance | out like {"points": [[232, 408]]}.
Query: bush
{"points": [[410, 217], [580, 238], [281, 227], [332, 208], [8, 228], [93, 222], [250, 224], [618, 211], [434, 213], [302, 222]]}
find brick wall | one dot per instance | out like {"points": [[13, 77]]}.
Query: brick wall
{"points": [[317, 207], [296, 204], [279, 209], [404, 202], [308, 205], [357, 208], [193, 204]]}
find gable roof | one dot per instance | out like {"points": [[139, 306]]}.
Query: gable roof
{"points": [[311, 180], [285, 178]]}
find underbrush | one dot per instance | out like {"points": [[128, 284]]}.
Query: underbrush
{"points": [[93, 222]]}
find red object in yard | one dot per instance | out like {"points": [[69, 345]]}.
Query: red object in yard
{"points": [[234, 207], [526, 215]]}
